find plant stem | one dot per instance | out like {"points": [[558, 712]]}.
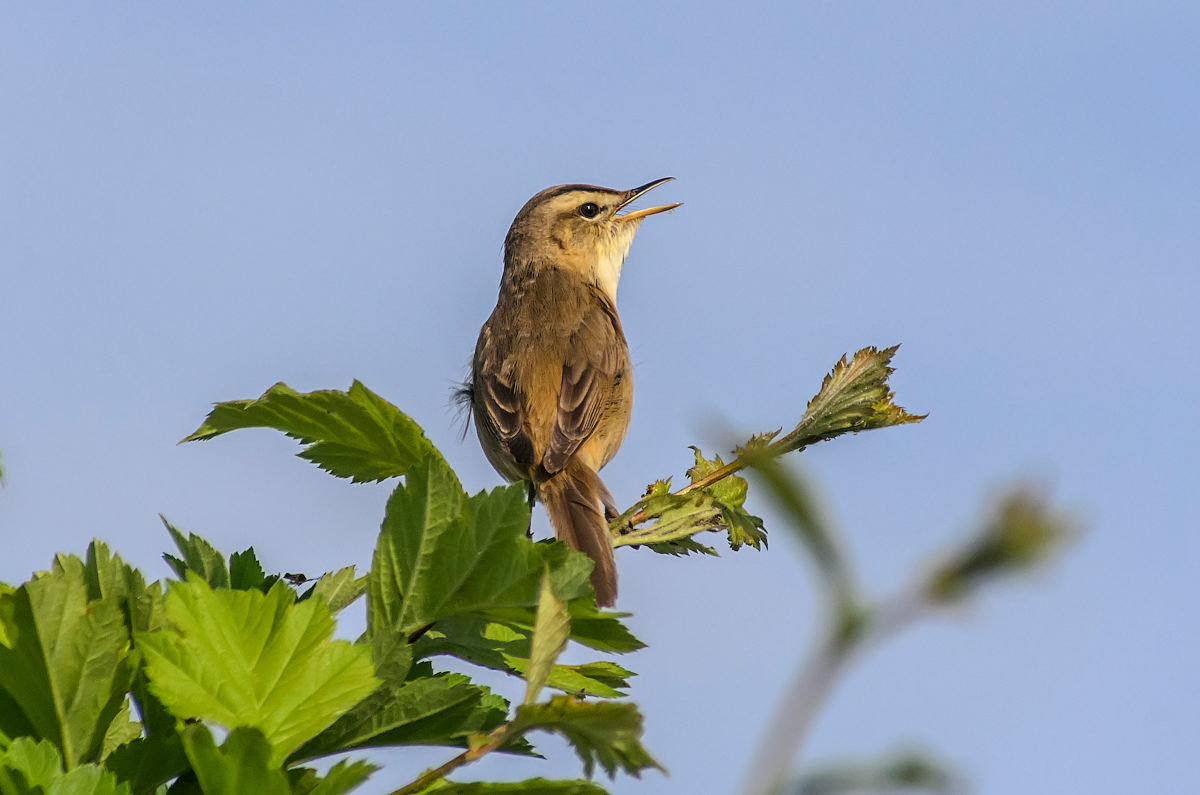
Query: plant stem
{"points": [[500, 736], [810, 687], [777, 448]]}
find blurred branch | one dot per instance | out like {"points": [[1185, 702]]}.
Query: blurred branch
{"points": [[1020, 533], [908, 771]]}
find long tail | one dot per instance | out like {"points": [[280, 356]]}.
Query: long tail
{"points": [[575, 499]]}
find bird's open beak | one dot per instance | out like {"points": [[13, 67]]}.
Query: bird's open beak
{"points": [[634, 194]]}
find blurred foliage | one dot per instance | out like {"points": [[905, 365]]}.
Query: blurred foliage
{"points": [[909, 772]]}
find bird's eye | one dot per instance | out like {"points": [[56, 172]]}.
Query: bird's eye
{"points": [[589, 209]]}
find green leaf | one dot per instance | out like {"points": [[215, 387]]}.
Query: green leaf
{"points": [[345, 776], [604, 732], [35, 768], [438, 710], [109, 577], [597, 629], [64, 662], [854, 397], [677, 517], [441, 553], [339, 589], [506, 647], [122, 730], [729, 494], [551, 628], [243, 764], [149, 762], [406, 710], [245, 658], [354, 434], [246, 573], [199, 557], [533, 786]]}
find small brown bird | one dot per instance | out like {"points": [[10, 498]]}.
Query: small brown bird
{"points": [[551, 386]]}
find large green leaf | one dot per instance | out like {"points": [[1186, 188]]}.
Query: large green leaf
{"points": [[64, 662], [245, 658], [243, 764], [441, 553], [432, 710], [35, 768], [354, 434], [604, 732]]}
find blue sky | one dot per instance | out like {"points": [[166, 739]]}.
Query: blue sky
{"points": [[197, 202]]}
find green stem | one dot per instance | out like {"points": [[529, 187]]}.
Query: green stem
{"points": [[500, 736]]}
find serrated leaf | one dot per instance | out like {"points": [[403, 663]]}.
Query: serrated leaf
{"points": [[409, 708], [441, 553], [109, 577], [199, 557], [854, 397], [35, 768], [437, 710], [682, 546], [245, 572], [243, 764], [339, 589], [64, 663], [551, 628], [149, 762], [532, 786], [354, 434], [729, 493], [343, 777], [506, 647], [123, 729], [675, 518], [757, 443], [607, 733], [245, 658]]}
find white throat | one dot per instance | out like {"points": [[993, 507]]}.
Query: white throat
{"points": [[607, 267]]}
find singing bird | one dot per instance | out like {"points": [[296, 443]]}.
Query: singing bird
{"points": [[551, 386]]}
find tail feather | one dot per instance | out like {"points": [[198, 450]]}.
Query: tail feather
{"points": [[575, 498]]}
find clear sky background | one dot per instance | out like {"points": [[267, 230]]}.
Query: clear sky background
{"points": [[197, 202]]}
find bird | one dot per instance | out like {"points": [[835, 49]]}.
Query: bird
{"points": [[551, 383]]}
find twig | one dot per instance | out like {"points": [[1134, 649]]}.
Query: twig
{"points": [[499, 737]]}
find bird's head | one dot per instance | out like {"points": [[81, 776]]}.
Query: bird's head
{"points": [[581, 228]]}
